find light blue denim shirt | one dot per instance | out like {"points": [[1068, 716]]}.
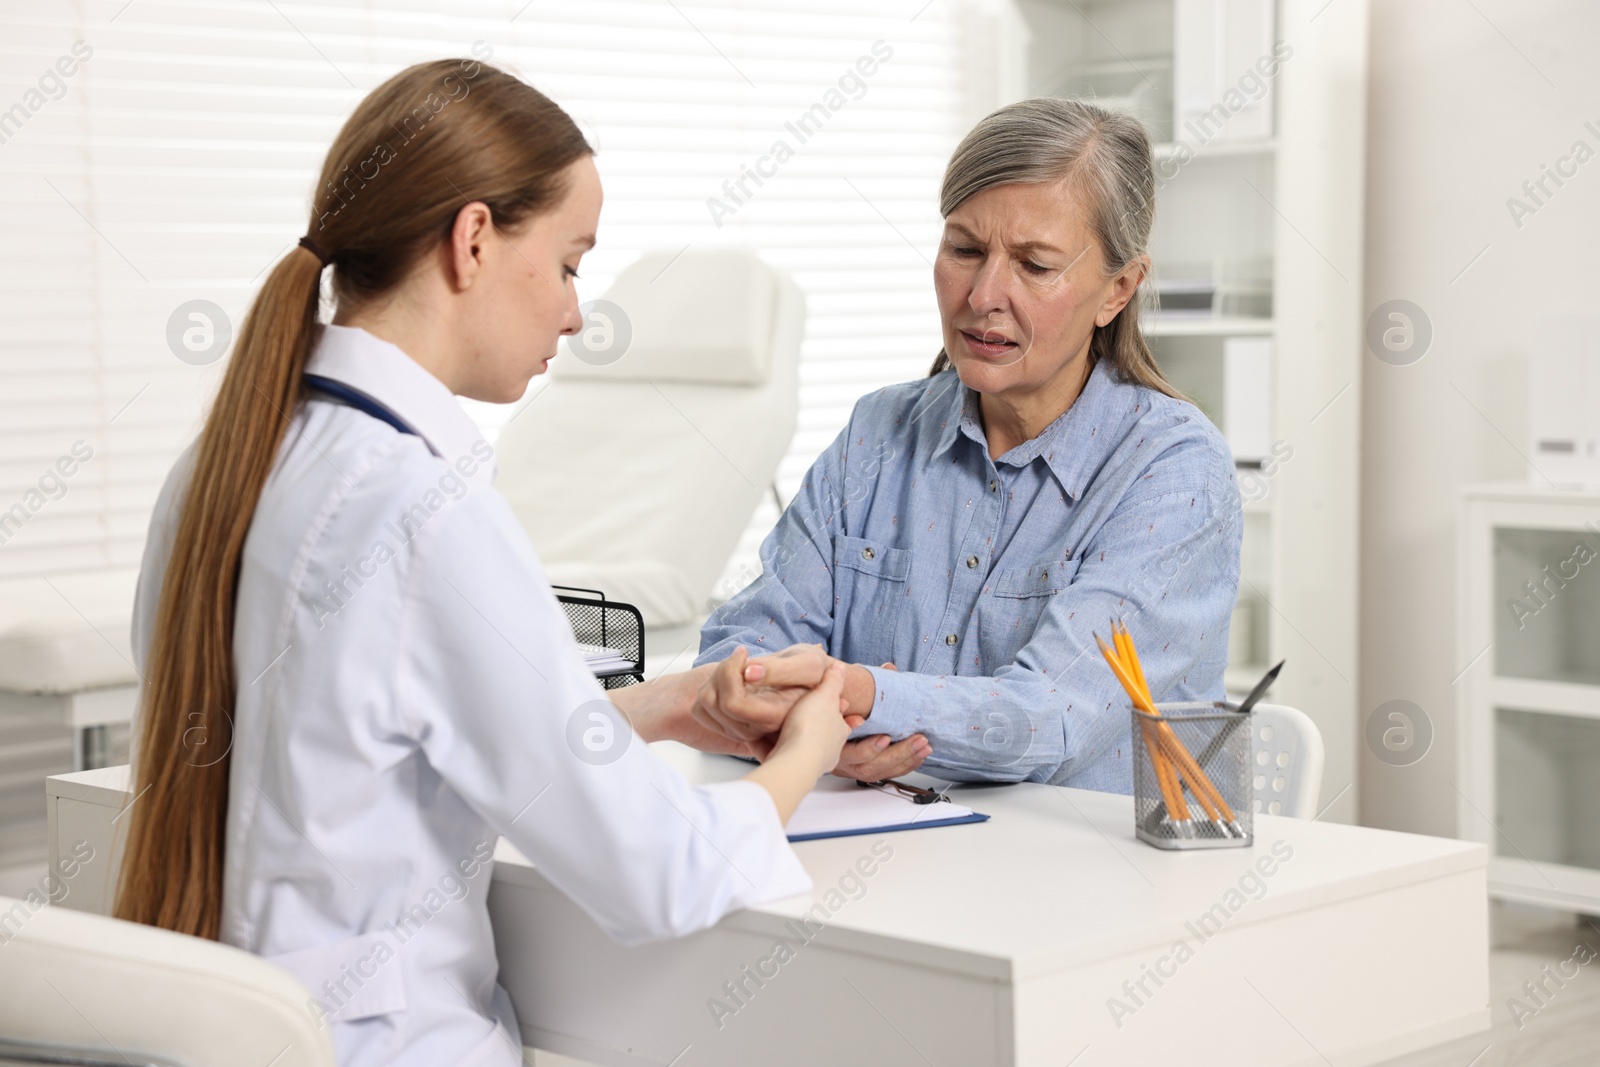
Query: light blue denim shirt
{"points": [[983, 581]]}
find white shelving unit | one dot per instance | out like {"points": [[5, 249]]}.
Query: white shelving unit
{"points": [[1209, 326], [1528, 703], [1284, 205]]}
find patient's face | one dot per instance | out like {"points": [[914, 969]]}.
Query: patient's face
{"points": [[1021, 285]]}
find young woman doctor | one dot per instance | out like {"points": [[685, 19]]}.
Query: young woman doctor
{"points": [[356, 675]]}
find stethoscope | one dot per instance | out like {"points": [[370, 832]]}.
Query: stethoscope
{"points": [[361, 402]]}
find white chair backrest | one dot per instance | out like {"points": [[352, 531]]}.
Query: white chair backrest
{"points": [[68, 632], [111, 989], [1288, 761], [638, 476]]}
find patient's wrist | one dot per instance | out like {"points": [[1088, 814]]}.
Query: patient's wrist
{"points": [[860, 691]]}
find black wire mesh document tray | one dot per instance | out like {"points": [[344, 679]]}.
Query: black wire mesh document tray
{"points": [[609, 633]]}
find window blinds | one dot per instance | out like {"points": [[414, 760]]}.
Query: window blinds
{"points": [[174, 163]]}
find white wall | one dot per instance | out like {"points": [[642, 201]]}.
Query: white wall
{"points": [[1466, 101]]}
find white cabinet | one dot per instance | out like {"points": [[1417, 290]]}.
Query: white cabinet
{"points": [[1258, 111], [1528, 703]]}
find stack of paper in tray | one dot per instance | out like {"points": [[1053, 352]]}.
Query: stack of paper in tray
{"points": [[603, 660]]}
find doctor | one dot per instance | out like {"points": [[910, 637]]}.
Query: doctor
{"points": [[356, 674]]}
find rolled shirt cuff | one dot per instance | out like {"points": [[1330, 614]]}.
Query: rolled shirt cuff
{"points": [[890, 707]]}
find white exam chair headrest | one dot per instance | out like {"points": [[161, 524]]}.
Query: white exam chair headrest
{"points": [[677, 335]]}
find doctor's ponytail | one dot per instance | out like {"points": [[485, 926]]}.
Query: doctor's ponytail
{"points": [[420, 147]]}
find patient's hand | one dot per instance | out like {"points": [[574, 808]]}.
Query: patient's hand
{"points": [[872, 759], [746, 699]]}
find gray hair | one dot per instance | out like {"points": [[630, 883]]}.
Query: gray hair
{"points": [[1107, 156]]}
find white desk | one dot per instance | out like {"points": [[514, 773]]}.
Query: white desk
{"points": [[1002, 943]]}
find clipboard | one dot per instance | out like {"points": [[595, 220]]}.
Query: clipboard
{"points": [[838, 807]]}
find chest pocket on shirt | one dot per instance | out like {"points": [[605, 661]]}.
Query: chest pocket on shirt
{"points": [[1021, 596], [1039, 579], [871, 586]]}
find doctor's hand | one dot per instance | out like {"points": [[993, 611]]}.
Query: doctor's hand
{"points": [[807, 745], [746, 699]]}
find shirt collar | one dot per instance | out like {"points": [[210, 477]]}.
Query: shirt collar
{"points": [[1072, 445], [382, 371]]}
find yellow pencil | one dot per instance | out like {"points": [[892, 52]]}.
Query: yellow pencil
{"points": [[1131, 655], [1205, 791], [1166, 775], [1124, 663]]}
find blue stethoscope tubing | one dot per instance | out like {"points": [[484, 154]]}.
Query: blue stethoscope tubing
{"points": [[358, 400]]}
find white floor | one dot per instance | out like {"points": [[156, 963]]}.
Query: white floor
{"points": [[16, 881], [1559, 1029]]}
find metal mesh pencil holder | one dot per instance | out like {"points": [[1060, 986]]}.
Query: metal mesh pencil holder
{"points": [[1216, 741], [609, 623]]}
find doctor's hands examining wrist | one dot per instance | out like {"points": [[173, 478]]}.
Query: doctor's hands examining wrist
{"points": [[741, 705], [737, 706], [746, 695], [808, 743], [746, 698]]}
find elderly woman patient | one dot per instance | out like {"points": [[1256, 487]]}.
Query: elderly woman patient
{"points": [[961, 540]]}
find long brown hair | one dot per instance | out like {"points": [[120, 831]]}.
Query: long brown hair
{"points": [[1107, 156], [420, 147]]}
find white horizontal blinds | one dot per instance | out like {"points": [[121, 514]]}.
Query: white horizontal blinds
{"points": [[171, 171], [852, 214], [50, 386], [181, 158]]}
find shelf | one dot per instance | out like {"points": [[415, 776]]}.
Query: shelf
{"points": [[1207, 213], [1214, 149], [1124, 64], [1552, 885], [1159, 325], [1528, 493], [1557, 698]]}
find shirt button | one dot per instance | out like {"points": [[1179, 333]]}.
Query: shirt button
{"points": [[972, 561], [991, 485], [867, 553], [950, 639]]}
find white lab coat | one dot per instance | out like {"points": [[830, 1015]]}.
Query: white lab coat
{"points": [[408, 689]]}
